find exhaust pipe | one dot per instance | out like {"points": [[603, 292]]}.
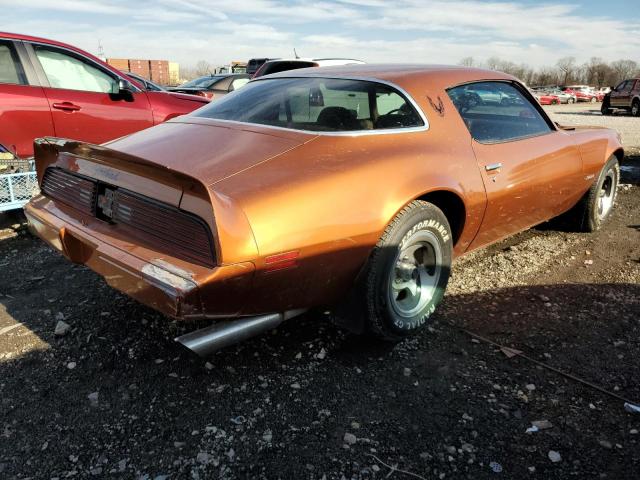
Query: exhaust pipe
{"points": [[208, 340]]}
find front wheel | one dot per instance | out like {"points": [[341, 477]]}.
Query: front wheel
{"points": [[635, 108], [408, 271], [571, 100], [594, 99]]}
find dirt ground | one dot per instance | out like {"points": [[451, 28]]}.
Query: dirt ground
{"points": [[116, 398]]}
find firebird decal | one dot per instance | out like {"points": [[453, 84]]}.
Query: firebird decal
{"points": [[439, 107]]}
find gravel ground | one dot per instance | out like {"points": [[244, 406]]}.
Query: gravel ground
{"points": [[114, 398], [589, 114]]}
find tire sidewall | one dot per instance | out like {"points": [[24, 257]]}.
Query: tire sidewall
{"points": [[381, 313], [593, 218]]}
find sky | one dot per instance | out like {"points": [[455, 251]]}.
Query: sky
{"points": [[534, 32]]}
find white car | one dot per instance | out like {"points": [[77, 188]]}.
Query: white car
{"points": [[284, 64]]}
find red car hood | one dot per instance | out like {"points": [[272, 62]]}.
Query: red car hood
{"points": [[208, 150]]}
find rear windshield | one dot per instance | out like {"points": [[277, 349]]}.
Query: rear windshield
{"points": [[201, 82], [316, 104]]}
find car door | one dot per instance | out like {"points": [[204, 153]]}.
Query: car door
{"points": [[530, 169], [621, 95], [24, 109], [84, 97]]}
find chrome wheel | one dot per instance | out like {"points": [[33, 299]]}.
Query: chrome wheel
{"points": [[607, 193], [415, 275]]}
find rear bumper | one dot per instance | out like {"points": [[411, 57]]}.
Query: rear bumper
{"points": [[155, 283]]}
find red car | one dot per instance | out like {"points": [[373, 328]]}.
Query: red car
{"points": [[582, 95], [48, 88], [547, 99]]}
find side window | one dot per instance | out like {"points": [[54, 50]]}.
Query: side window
{"points": [[497, 112], [10, 68], [621, 86], [71, 73], [627, 86], [238, 82]]}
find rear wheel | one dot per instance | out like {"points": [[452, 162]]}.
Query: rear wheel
{"points": [[597, 203], [571, 100], [408, 271], [594, 99]]}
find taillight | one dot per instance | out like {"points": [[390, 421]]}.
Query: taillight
{"points": [[153, 224]]}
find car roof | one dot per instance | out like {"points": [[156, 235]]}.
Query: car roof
{"points": [[407, 76], [30, 38]]}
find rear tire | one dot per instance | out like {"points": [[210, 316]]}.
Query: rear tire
{"points": [[408, 271], [597, 204]]}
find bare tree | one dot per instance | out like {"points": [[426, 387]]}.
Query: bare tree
{"points": [[567, 67], [546, 76], [467, 62], [623, 69], [493, 63], [204, 68], [596, 72]]}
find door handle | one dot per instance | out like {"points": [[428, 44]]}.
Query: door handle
{"points": [[492, 167], [66, 106]]}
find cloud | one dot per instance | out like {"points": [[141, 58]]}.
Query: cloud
{"points": [[373, 30]]}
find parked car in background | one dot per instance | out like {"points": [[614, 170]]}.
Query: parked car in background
{"points": [[350, 186], [563, 97], [625, 96], [50, 88], [281, 65], [144, 83], [582, 93], [255, 63], [213, 86], [547, 98]]}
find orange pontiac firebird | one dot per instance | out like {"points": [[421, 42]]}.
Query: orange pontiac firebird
{"points": [[353, 185]]}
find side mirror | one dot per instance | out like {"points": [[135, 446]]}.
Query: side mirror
{"points": [[125, 87]]}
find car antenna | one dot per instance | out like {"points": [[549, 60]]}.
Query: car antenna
{"points": [[295, 54]]}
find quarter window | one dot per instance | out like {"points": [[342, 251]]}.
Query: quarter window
{"points": [[497, 112], [10, 67], [71, 73], [239, 82]]}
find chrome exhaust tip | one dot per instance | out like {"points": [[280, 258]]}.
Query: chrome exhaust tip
{"points": [[208, 340]]}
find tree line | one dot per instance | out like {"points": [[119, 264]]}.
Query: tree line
{"points": [[567, 71]]}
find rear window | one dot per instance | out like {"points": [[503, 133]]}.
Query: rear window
{"points": [[201, 82], [276, 67], [317, 104]]}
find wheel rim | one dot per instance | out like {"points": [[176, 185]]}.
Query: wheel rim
{"points": [[635, 108], [415, 275], [607, 193]]}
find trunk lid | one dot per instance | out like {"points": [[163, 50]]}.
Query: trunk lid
{"points": [[208, 150]]}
